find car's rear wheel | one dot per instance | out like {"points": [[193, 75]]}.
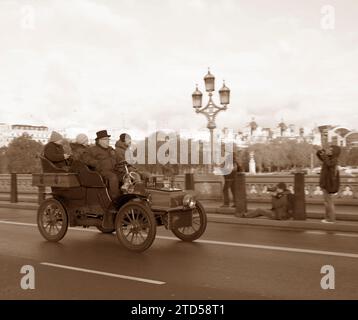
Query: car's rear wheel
{"points": [[197, 228], [135, 226], [52, 220]]}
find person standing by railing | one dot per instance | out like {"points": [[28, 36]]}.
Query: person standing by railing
{"points": [[329, 177], [229, 181]]}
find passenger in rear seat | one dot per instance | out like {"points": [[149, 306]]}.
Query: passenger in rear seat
{"points": [[79, 147], [54, 151]]}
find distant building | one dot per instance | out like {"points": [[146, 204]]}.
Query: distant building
{"points": [[38, 133], [254, 133], [342, 136]]}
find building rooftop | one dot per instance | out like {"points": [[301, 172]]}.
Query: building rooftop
{"points": [[21, 126]]}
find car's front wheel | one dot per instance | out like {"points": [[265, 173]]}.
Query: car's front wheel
{"points": [[135, 226], [197, 228]]}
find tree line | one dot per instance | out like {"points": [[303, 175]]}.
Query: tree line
{"points": [[283, 155], [21, 156]]}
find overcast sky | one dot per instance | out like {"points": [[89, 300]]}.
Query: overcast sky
{"points": [[91, 64]]}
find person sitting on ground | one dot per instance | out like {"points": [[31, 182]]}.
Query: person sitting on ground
{"points": [[281, 204], [54, 151], [101, 157]]}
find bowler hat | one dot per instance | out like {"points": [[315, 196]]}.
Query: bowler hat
{"points": [[102, 134]]}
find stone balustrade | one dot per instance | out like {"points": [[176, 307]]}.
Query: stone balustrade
{"points": [[209, 187], [257, 185]]}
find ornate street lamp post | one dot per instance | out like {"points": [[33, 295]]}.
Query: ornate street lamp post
{"points": [[211, 109]]}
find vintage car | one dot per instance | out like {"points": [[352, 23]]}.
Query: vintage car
{"points": [[82, 199]]}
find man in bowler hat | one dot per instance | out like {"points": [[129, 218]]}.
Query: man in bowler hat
{"points": [[102, 158]]}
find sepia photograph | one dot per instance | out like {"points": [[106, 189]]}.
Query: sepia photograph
{"points": [[178, 155]]}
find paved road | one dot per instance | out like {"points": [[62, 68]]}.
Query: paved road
{"points": [[229, 262]]}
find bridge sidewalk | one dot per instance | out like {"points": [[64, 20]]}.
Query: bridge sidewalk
{"points": [[314, 211], [347, 217]]}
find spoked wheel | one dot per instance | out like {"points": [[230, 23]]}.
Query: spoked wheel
{"points": [[197, 227], [52, 220], [135, 226], [105, 230]]}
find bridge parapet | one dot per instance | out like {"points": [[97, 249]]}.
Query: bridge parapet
{"points": [[209, 187]]}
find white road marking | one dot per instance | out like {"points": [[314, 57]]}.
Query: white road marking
{"points": [[315, 232], [107, 274], [233, 244], [275, 248], [19, 223], [353, 235]]}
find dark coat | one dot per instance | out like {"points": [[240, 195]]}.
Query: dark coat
{"points": [[281, 205], [236, 168], [77, 151], [121, 148], [55, 153], [101, 159], [329, 177]]}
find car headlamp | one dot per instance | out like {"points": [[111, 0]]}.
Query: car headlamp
{"points": [[189, 201], [149, 198]]}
